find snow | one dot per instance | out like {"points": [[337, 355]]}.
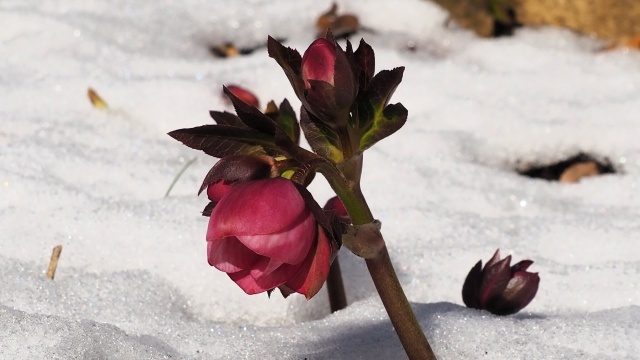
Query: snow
{"points": [[133, 281]]}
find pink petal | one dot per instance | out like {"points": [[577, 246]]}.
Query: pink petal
{"points": [[264, 266], [494, 280], [318, 62], [218, 190], [290, 246], [247, 283], [229, 255], [275, 277], [257, 207], [310, 277]]}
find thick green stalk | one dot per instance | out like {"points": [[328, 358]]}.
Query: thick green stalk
{"points": [[383, 274]]}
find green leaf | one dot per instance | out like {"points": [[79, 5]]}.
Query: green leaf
{"points": [[323, 141], [393, 117], [288, 121], [377, 96]]}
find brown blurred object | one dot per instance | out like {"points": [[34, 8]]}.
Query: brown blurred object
{"points": [[570, 170], [577, 171], [340, 25], [632, 43], [616, 20], [225, 50], [53, 263], [244, 95], [96, 100], [229, 49]]}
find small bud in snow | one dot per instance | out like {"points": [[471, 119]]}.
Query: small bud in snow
{"points": [[318, 62], [264, 235], [499, 288]]}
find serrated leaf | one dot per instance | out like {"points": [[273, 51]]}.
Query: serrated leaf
{"points": [[290, 61], [221, 140], [251, 116], [322, 140], [393, 117], [366, 61], [377, 95], [344, 78], [227, 118]]}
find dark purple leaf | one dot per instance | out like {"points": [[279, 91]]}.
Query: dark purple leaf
{"points": [[236, 168], [366, 61], [494, 281], [323, 140], [221, 140], [321, 217], [345, 79], [522, 288], [320, 100], [521, 266], [208, 209], [251, 116], [290, 61], [227, 118], [471, 287]]}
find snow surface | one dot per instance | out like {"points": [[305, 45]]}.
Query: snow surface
{"points": [[133, 281]]}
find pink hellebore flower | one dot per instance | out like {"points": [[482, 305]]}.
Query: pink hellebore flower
{"points": [[500, 288], [318, 62], [263, 235]]}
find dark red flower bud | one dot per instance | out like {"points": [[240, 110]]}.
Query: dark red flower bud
{"points": [[318, 62], [244, 95], [500, 288], [336, 206]]}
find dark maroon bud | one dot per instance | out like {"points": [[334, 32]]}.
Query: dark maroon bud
{"points": [[337, 207], [500, 288]]}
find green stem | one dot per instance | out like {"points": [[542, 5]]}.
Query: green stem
{"points": [[175, 179], [384, 276], [395, 302]]}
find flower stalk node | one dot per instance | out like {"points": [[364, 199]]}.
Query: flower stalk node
{"points": [[364, 240]]}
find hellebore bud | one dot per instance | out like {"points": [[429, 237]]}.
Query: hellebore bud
{"points": [[263, 235], [499, 288], [336, 206], [318, 62], [234, 169]]}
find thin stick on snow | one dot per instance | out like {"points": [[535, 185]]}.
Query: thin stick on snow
{"points": [[53, 263]]}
